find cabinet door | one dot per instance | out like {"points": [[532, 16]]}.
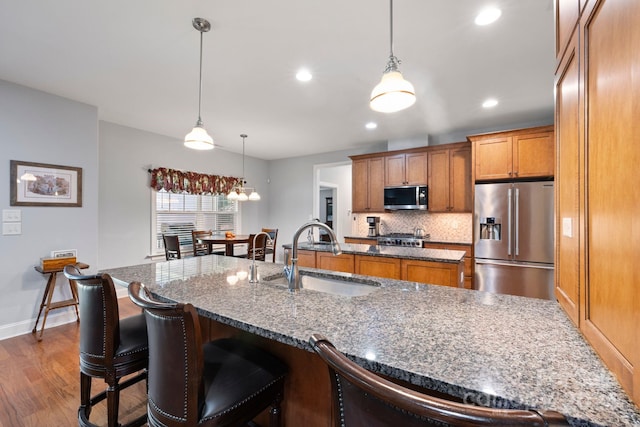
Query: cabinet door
{"points": [[328, 261], [533, 155], [433, 273], [415, 168], [368, 185], [306, 259], [394, 170], [460, 179], [376, 185], [439, 181], [567, 14], [360, 181], [494, 158], [567, 183], [378, 266]]}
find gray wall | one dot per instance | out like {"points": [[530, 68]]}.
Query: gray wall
{"points": [[126, 154], [43, 128]]}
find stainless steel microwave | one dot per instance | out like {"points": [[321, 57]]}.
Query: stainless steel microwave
{"points": [[410, 197]]}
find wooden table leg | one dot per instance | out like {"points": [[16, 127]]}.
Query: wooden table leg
{"points": [[47, 292], [51, 287], [228, 251]]}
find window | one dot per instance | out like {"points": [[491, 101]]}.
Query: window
{"points": [[180, 213]]}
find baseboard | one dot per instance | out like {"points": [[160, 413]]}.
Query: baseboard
{"points": [[26, 326], [54, 318]]}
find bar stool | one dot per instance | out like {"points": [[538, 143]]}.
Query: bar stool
{"points": [[362, 398], [225, 382], [110, 348]]}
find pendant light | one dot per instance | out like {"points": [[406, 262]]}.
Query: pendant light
{"points": [[198, 138], [393, 93], [239, 192]]}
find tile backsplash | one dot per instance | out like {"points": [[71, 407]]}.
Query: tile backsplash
{"points": [[441, 226]]}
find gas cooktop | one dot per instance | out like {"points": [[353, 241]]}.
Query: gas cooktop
{"points": [[400, 239]]}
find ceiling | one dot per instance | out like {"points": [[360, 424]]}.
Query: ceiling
{"points": [[137, 61]]}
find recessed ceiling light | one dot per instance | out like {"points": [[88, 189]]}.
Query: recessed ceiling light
{"points": [[489, 103], [371, 125], [304, 75], [488, 16]]}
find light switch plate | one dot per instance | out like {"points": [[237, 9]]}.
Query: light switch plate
{"points": [[11, 228], [11, 215], [567, 227]]}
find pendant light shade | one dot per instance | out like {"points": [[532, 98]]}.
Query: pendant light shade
{"points": [[239, 192], [393, 93], [198, 138]]}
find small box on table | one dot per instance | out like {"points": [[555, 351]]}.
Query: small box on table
{"points": [[49, 264]]}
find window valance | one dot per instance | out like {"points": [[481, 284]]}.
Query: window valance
{"points": [[176, 181]]}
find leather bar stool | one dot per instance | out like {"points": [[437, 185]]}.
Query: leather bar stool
{"points": [[225, 382], [110, 348], [362, 398]]}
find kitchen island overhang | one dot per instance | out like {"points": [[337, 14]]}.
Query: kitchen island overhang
{"points": [[494, 350]]}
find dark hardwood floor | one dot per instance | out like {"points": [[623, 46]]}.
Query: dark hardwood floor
{"points": [[40, 381]]}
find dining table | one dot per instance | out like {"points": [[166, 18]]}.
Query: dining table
{"points": [[228, 242]]}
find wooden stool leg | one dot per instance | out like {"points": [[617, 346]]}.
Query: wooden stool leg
{"points": [[113, 401], [85, 395]]}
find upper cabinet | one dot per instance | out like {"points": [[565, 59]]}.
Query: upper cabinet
{"points": [[518, 154], [367, 183], [405, 169], [450, 178]]}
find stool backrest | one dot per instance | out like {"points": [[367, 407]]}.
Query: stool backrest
{"points": [[175, 388], [361, 397], [100, 324], [171, 247]]}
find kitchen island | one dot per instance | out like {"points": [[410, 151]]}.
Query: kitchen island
{"points": [[495, 350]]}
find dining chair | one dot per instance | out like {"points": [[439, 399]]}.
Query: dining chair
{"points": [[260, 247], [225, 382], [171, 247], [110, 348], [271, 246], [362, 398], [200, 248]]}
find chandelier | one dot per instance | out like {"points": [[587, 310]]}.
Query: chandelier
{"points": [[240, 192]]}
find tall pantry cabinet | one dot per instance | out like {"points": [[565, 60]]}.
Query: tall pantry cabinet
{"points": [[597, 87]]}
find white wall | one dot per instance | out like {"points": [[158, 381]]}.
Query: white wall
{"points": [[44, 128]]}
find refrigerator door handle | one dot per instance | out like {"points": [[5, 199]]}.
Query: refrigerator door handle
{"points": [[509, 222], [517, 224], [514, 264]]}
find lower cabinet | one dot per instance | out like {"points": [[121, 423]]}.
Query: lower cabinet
{"points": [[360, 241], [306, 258], [468, 258], [440, 273], [328, 261], [389, 268]]}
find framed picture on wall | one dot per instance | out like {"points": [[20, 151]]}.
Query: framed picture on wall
{"points": [[40, 184]]}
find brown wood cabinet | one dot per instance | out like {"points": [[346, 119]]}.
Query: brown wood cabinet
{"points": [[377, 266], [468, 258], [449, 171], [445, 274], [597, 122], [405, 169], [368, 184], [329, 261], [524, 153], [306, 258]]}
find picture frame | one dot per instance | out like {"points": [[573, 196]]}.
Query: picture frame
{"points": [[65, 253], [41, 184]]}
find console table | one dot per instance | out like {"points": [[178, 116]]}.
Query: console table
{"points": [[46, 303]]}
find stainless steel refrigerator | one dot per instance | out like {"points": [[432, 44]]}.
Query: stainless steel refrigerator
{"points": [[513, 238]]}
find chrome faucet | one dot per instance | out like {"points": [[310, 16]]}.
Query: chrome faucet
{"points": [[291, 271], [253, 269]]}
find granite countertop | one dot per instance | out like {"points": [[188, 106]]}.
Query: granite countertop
{"points": [[438, 255], [426, 240], [496, 350]]}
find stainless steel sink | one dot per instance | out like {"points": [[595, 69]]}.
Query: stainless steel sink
{"points": [[330, 284]]}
